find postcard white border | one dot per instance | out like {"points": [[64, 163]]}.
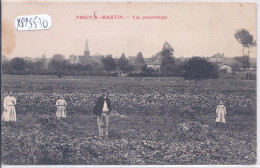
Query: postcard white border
{"points": [[163, 166]]}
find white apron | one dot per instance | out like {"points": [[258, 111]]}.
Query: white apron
{"points": [[9, 113]]}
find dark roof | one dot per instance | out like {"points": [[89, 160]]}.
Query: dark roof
{"points": [[217, 55], [152, 61]]}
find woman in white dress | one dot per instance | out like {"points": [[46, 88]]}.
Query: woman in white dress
{"points": [[61, 107], [220, 113], [9, 103]]}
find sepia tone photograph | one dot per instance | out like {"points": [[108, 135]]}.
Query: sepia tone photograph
{"points": [[128, 83]]}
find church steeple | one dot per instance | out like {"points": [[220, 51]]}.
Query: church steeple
{"points": [[86, 46], [86, 51]]}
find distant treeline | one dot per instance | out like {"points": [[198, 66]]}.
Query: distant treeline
{"points": [[164, 64]]}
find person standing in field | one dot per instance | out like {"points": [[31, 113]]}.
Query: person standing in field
{"points": [[9, 103], [61, 107], [220, 113], [102, 110]]}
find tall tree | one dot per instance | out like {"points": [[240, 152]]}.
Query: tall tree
{"points": [[139, 61], [58, 65], [44, 60], [246, 39], [167, 64], [18, 64], [6, 67], [197, 68], [124, 65], [39, 67], [58, 57], [109, 63]]}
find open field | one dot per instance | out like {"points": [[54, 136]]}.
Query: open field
{"points": [[154, 121]]}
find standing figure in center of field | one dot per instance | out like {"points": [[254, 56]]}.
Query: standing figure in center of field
{"points": [[9, 103], [220, 113], [61, 107], [102, 110]]}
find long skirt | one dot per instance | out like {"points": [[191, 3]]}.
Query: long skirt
{"points": [[221, 117], [61, 112], [9, 114]]}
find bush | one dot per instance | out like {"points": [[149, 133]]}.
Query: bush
{"points": [[197, 68], [115, 74]]}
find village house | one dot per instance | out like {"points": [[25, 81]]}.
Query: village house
{"points": [[225, 68], [217, 57], [224, 63], [73, 59], [153, 62]]}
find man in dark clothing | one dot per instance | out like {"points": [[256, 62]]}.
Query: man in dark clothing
{"points": [[102, 110]]}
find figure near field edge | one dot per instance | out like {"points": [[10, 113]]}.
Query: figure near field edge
{"points": [[9, 103], [102, 111]]}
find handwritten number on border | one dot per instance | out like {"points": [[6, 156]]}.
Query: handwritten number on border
{"points": [[33, 22]]}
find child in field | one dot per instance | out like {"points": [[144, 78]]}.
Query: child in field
{"points": [[61, 107], [9, 103], [220, 113]]}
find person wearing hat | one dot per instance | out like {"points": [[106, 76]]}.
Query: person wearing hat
{"points": [[102, 110], [220, 113], [61, 107], [9, 103]]}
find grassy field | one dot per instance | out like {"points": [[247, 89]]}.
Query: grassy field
{"points": [[154, 121]]}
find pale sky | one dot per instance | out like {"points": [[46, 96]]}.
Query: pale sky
{"points": [[192, 28]]}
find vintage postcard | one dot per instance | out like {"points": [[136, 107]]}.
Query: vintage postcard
{"points": [[128, 83]]}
